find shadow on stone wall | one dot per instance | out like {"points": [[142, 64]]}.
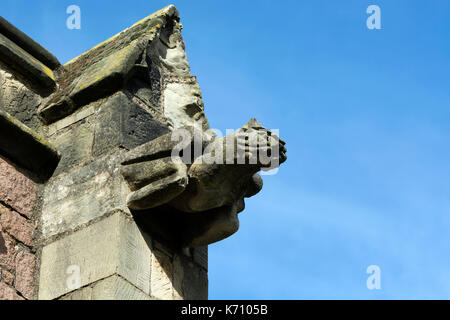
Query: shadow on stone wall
{"points": [[3, 248]]}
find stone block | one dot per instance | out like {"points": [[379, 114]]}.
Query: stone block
{"points": [[8, 250], [16, 190], [82, 195], [73, 118], [112, 288], [200, 255], [17, 226], [162, 276], [17, 99], [147, 88], [25, 271], [112, 246], [178, 276], [116, 288], [106, 75], [80, 294], [195, 281], [75, 144], [8, 293], [7, 277], [190, 280], [122, 122]]}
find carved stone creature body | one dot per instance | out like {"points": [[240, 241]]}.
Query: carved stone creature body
{"points": [[207, 192]]}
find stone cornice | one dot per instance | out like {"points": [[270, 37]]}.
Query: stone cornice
{"points": [[28, 44], [27, 57], [18, 59], [102, 70]]}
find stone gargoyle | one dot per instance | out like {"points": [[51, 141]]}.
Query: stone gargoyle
{"points": [[179, 194], [193, 184]]}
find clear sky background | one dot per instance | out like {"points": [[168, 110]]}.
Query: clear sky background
{"points": [[366, 117]]}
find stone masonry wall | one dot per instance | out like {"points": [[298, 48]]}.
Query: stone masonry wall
{"points": [[70, 234], [85, 221], [19, 200], [85, 224], [17, 255]]}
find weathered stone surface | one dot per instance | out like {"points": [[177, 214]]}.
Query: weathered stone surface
{"points": [[162, 276], [116, 288], [183, 104], [25, 271], [16, 190], [7, 277], [17, 226], [195, 282], [76, 117], [75, 145], [12, 54], [80, 294], [107, 75], [162, 184], [141, 174], [147, 90], [8, 252], [100, 127], [8, 293], [190, 280], [121, 122], [112, 246], [178, 277], [17, 98], [201, 256], [82, 195], [168, 53], [135, 256], [112, 288], [50, 112]]}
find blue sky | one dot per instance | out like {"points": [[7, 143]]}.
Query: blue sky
{"points": [[366, 117]]}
